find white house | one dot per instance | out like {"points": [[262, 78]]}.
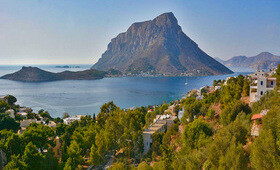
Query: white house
{"points": [[23, 114], [69, 120], [260, 86], [160, 125]]}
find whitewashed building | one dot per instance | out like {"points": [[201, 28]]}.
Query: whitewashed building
{"points": [[260, 86], [161, 122], [69, 120]]}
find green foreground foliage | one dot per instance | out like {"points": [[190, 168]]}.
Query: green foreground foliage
{"points": [[214, 133]]}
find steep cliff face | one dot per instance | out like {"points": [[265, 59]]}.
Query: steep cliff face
{"points": [[158, 46], [264, 60]]}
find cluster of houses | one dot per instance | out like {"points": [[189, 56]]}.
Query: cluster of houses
{"points": [[261, 83], [199, 93], [23, 112]]}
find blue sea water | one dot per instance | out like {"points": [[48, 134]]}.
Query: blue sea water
{"points": [[86, 96]]}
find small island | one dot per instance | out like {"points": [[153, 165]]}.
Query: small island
{"points": [[35, 74], [66, 66]]}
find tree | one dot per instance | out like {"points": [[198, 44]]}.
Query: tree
{"points": [[144, 166], [31, 115], [50, 161], [197, 134], [95, 157], [75, 157], [215, 83], [210, 113], [278, 76], [15, 163], [31, 157], [13, 145], [264, 152], [58, 120], [6, 122], [234, 158], [230, 112], [246, 88], [40, 135], [157, 141], [3, 106], [11, 100], [65, 115], [167, 156], [163, 108], [234, 133], [45, 114], [118, 166], [105, 110]]}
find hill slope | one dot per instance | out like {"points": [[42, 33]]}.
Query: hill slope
{"points": [[158, 46], [34, 74], [264, 60]]}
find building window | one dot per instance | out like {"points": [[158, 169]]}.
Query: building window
{"points": [[261, 92], [272, 83], [261, 83]]}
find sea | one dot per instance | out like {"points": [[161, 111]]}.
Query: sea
{"points": [[85, 97]]}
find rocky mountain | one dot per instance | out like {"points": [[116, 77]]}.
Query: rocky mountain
{"points": [[34, 74], [158, 46], [264, 60]]}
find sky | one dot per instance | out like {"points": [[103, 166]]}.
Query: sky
{"points": [[78, 31]]}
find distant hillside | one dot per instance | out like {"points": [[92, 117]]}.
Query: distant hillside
{"points": [[264, 60], [34, 74], [158, 46]]}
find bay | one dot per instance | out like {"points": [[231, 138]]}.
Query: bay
{"points": [[87, 96]]}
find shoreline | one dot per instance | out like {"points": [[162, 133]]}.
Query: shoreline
{"points": [[61, 96]]}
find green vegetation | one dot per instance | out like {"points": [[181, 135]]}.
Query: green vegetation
{"points": [[214, 133]]}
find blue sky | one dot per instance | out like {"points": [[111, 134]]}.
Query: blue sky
{"points": [[78, 31]]}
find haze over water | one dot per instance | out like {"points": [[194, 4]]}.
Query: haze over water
{"points": [[86, 96]]}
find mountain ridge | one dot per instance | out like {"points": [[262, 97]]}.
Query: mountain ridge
{"points": [[263, 60], [158, 46]]}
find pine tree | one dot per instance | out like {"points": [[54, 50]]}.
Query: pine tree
{"points": [[278, 76], [31, 157], [15, 163], [75, 156], [264, 152]]}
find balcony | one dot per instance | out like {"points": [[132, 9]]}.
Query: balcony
{"points": [[253, 87], [270, 87]]}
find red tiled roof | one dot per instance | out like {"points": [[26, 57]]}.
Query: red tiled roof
{"points": [[257, 116]]}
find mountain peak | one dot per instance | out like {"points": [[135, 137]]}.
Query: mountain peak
{"points": [[166, 18], [265, 53], [158, 46]]}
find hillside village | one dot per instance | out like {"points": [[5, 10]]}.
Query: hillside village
{"points": [[160, 137]]}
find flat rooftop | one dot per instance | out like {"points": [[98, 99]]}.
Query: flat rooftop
{"points": [[155, 127]]}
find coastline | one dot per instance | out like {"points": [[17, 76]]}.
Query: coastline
{"points": [[86, 96]]}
